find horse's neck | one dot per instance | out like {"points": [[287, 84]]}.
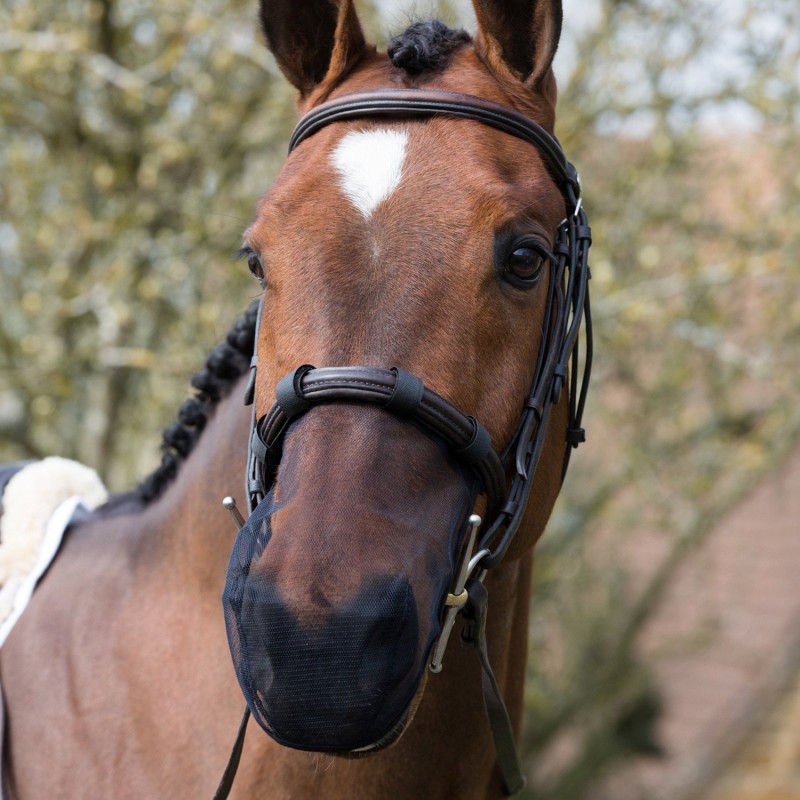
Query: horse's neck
{"points": [[190, 526], [128, 625]]}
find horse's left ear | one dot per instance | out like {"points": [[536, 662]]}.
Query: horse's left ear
{"points": [[519, 35], [313, 41]]}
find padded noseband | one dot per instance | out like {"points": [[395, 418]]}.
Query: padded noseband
{"points": [[396, 391]]}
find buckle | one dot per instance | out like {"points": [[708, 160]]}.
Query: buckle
{"points": [[457, 598]]}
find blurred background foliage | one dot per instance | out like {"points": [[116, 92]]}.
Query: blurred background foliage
{"points": [[136, 136]]}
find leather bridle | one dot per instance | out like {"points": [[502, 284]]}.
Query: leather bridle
{"points": [[405, 395]]}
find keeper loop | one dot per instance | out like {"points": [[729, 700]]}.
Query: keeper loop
{"points": [[576, 436], [510, 508], [536, 405], [406, 395], [289, 394], [457, 600], [478, 447], [558, 385], [257, 446]]}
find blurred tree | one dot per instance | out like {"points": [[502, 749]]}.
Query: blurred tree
{"points": [[136, 140], [683, 118]]}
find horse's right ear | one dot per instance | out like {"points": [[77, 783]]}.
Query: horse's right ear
{"points": [[312, 40]]}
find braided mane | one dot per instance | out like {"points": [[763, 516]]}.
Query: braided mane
{"points": [[226, 363]]}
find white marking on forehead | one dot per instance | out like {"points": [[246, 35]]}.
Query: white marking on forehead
{"points": [[370, 164]]}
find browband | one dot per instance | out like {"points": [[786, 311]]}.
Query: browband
{"points": [[428, 102]]}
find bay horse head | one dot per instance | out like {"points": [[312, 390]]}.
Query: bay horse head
{"points": [[425, 250]]}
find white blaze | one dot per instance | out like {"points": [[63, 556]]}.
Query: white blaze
{"points": [[370, 165]]}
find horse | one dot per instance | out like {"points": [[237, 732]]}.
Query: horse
{"points": [[425, 247]]}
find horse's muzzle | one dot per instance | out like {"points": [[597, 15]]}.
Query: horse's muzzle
{"points": [[336, 584], [339, 679]]}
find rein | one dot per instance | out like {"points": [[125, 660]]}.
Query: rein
{"points": [[406, 396]]}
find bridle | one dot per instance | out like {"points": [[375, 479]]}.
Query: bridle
{"points": [[406, 396]]}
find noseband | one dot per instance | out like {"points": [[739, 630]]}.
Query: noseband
{"points": [[406, 396]]}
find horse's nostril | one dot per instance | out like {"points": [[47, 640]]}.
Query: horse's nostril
{"points": [[341, 678]]}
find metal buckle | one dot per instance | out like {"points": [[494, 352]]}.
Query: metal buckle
{"points": [[457, 599], [580, 195]]}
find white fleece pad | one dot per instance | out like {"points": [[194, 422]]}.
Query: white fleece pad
{"points": [[29, 535]]}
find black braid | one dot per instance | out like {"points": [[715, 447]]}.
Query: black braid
{"points": [[227, 362]]}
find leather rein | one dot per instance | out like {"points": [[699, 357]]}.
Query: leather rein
{"points": [[406, 396]]}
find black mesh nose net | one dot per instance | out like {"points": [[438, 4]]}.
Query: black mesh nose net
{"points": [[336, 583]]}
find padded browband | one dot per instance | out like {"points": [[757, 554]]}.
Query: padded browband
{"points": [[428, 102], [398, 392]]}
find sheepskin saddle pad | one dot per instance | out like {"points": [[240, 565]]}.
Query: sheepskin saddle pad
{"points": [[38, 500]]}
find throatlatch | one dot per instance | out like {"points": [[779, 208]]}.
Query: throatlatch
{"points": [[259, 618]]}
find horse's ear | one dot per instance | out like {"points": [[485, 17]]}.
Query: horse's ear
{"points": [[520, 35], [312, 40]]}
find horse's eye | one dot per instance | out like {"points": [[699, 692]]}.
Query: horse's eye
{"points": [[255, 266], [253, 262], [524, 265]]}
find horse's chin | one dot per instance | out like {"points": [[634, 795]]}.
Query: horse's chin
{"points": [[395, 734]]}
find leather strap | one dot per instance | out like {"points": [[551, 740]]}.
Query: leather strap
{"points": [[226, 783], [474, 635], [466, 437], [250, 390], [428, 102]]}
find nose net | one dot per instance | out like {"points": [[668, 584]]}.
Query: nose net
{"points": [[335, 587]]}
